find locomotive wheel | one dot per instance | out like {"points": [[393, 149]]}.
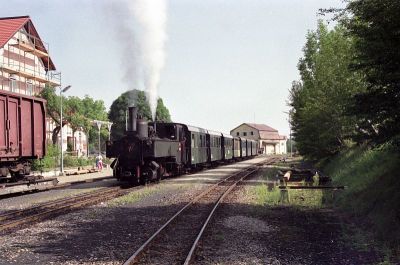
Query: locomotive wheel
{"points": [[3, 172], [143, 180], [160, 173], [16, 176]]}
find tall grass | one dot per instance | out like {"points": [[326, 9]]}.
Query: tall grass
{"points": [[373, 188], [273, 196]]}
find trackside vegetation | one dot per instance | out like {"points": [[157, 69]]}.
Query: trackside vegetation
{"points": [[345, 111], [371, 176]]}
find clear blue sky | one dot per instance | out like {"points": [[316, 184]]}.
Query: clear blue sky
{"points": [[228, 62]]}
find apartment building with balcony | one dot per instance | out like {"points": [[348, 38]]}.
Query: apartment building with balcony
{"points": [[26, 68]]}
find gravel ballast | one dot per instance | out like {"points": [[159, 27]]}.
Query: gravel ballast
{"points": [[107, 233]]}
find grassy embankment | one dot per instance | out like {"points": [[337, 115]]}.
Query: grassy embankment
{"points": [[373, 189], [372, 195]]}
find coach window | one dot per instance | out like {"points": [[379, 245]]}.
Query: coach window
{"points": [[192, 140]]}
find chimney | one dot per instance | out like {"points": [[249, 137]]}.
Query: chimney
{"points": [[132, 117]]}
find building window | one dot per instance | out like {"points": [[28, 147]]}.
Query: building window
{"points": [[13, 85], [29, 88], [237, 133], [252, 133], [244, 133]]}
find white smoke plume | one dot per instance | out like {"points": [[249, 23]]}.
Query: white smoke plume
{"points": [[141, 28]]}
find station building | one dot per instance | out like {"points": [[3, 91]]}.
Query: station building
{"points": [[269, 140], [26, 68]]}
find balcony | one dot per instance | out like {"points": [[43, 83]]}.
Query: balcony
{"points": [[19, 70], [27, 47]]}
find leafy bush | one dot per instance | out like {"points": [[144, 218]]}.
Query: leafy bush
{"points": [[73, 161], [51, 159]]}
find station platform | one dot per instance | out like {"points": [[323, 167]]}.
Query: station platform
{"points": [[53, 180], [86, 177]]}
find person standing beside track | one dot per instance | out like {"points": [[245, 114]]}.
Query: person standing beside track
{"points": [[99, 162]]}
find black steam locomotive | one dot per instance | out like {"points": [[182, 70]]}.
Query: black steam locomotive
{"points": [[150, 151]]}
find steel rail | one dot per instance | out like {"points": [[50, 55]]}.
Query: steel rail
{"points": [[135, 257], [222, 197], [192, 249], [58, 206], [15, 213], [57, 186]]}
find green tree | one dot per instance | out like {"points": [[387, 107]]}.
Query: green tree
{"points": [[319, 100], [375, 25], [82, 112], [78, 113], [53, 109], [135, 97]]}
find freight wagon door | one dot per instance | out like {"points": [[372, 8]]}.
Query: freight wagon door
{"points": [[12, 142], [39, 129], [12, 128], [3, 132]]}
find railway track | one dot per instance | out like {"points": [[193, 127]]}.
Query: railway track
{"points": [[18, 218], [8, 190], [169, 244]]}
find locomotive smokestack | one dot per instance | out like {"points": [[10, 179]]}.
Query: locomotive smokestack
{"points": [[132, 117]]}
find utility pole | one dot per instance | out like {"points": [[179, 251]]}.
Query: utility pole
{"points": [[61, 129], [290, 132], [99, 124]]}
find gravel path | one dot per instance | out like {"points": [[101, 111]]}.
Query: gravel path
{"points": [[110, 232]]}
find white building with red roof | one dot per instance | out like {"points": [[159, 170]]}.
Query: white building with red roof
{"points": [[25, 64], [26, 68], [269, 140]]}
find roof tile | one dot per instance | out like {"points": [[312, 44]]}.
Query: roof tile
{"points": [[9, 26], [262, 127]]}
